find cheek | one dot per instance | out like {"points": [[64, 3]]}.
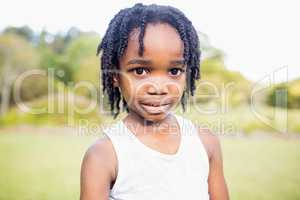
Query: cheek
{"points": [[176, 88], [128, 87], [177, 85]]}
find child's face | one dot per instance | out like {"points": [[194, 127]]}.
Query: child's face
{"points": [[153, 84]]}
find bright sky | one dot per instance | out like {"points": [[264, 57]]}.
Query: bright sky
{"points": [[258, 37]]}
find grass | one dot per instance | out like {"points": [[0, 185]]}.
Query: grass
{"points": [[46, 167], [40, 166], [262, 168]]}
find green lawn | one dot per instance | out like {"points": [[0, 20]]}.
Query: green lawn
{"points": [[264, 169], [45, 167]]}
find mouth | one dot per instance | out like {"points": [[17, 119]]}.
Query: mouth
{"points": [[156, 108]]}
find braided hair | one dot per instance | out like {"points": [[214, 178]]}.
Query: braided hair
{"points": [[115, 42]]}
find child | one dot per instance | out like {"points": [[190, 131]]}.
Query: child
{"points": [[150, 61]]}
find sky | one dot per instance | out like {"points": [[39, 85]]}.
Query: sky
{"points": [[259, 37]]}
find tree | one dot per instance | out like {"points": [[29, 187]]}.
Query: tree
{"points": [[16, 55], [285, 95], [24, 31]]}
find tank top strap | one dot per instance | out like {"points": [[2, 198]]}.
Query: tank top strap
{"points": [[122, 142], [118, 136], [193, 142], [185, 124], [125, 153]]}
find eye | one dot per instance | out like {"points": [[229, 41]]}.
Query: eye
{"points": [[176, 71], [140, 70]]}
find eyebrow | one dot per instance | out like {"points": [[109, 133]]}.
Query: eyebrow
{"points": [[139, 61], [177, 62], [148, 62]]}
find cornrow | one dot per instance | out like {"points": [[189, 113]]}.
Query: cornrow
{"points": [[115, 42]]}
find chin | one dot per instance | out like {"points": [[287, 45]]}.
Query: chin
{"points": [[155, 117]]}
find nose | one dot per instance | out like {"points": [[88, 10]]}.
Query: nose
{"points": [[157, 87]]}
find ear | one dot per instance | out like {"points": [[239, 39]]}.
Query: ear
{"points": [[115, 81]]}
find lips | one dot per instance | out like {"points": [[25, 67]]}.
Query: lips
{"points": [[155, 104], [156, 107]]}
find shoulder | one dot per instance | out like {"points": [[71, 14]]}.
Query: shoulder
{"points": [[97, 170], [102, 147], [100, 155], [210, 141]]}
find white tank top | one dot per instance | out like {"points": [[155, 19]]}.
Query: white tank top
{"points": [[147, 174]]}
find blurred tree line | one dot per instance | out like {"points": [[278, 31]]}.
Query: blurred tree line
{"points": [[72, 57], [285, 95]]}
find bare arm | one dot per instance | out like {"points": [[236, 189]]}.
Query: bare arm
{"points": [[216, 181], [97, 171]]}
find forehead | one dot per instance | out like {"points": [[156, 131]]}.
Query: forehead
{"points": [[160, 40]]}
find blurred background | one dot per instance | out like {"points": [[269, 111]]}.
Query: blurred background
{"points": [[52, 107]]}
